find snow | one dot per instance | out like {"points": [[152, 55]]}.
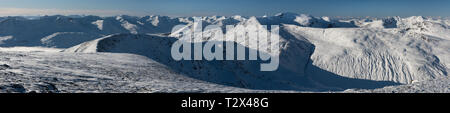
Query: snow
{"points": [[30, 49], [376, 54], [5, 38], [65, 39], [99, 24], [67, 31], [132, 54], [130, 27], [155, 21], [96, 73], [233, 73], [87, 47]]}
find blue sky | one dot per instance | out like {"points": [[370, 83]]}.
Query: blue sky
{"points": [[227, 7]]}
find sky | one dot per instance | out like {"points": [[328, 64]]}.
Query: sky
{"points": [[177, 8]]}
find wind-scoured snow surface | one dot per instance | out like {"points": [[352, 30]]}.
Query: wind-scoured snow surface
{"points": [[57, 72], [132, 54]]}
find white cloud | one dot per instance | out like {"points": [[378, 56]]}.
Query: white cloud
{"points": [[35, 12]]}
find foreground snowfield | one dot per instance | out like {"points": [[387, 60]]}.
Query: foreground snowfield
{"points": [[60, 72], [132, 54]]}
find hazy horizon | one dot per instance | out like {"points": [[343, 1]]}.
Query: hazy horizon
{"points": [[180, 8]]}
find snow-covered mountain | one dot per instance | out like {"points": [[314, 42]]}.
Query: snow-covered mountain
{"points": [[316, 54], [245, 74], [304, 20]]}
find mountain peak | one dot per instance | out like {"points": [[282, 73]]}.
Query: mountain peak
{"points": [[288, 14]]}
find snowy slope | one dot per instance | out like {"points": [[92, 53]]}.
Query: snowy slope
{"points": [[378, 54], [244, 74]]}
